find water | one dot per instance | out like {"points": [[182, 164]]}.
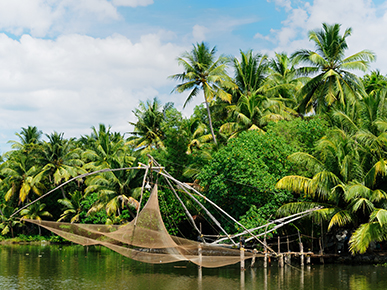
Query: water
{"points": [[50, 267]]}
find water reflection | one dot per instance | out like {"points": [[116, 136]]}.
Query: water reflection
{"points": [[55, 267]]}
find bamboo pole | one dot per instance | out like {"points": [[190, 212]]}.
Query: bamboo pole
{"points": [[294, 217]]}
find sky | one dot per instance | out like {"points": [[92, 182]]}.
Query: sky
{"points": [[68, 65]]}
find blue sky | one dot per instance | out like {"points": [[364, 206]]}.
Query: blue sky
{"points": [[67, 65]]}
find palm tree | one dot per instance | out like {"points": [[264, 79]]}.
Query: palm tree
{"points": [[7, 224], [30, 139], [21, 178], [333, 81], [350, 192], [35, 212], [253, 112], [148, 133], [72, 206], [282, 81], [203, 72], [108, 151], [374, 82], [250, 72], [60, 159]]}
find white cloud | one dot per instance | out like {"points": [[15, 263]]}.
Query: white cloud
{"points": [[282, 3], [199, 33], [368, 23], [19, 15], [40, 17], [132, 3], [74, 82]]}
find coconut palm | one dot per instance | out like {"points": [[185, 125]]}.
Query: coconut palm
{"points": [[351, 194], [35, 212], [29, 137], [7, 224], [148, 133], [60, 159], [374, 82], [73, 207], [21, 178], [250, 72], [108, 151], [282, 80], [203, 72], [253, 112], [333, 82]]}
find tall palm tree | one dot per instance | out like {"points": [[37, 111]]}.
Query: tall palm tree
{"points": [[333, 82], [203, 72]]}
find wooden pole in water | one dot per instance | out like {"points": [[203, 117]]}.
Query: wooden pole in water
{"points": [[288, 256], [279, 245], [253, 259], [200, 250], [242, 250], [301, 249], [321, 245], [265, 250]]}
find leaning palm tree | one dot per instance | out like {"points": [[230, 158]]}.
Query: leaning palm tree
{"points": [[333, 80], [203, 72]]}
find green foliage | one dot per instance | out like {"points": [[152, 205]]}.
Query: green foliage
{"points": [[244, 173], [99, 217], [256, 217], [301, 134]]}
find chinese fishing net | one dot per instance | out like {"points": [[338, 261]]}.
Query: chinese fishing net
{"points": [[146, 239]]}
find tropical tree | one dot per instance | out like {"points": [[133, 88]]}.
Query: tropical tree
{"points": [[108, 151], [250, 72], [60, 159], [203, 72], [21, 177], [374, 82], [73, 207], [35, 212], [282, 80], [351, 195], [29, 137], [333, 81], [148, 134], [7, 224]]}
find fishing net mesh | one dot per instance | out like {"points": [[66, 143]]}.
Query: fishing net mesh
{"points": [[146, 239]]}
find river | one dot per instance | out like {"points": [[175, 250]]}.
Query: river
{"points": [[55, 267]]}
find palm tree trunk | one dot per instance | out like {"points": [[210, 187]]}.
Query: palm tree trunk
{"points": [[209, 118]]}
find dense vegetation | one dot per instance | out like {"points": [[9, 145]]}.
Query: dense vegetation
{"points": [[281, 135]]}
